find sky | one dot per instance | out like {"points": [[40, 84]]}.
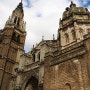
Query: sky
{"points": [[41, 16]]}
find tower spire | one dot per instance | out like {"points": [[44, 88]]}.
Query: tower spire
{"points": [[17, 17], [21, 1]]}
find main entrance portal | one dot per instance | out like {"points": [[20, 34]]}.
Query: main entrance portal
{"points": [[32, 84]]}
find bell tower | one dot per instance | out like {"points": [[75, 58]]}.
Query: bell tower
{"points": [[12, 40]]}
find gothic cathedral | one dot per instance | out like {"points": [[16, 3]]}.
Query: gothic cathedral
{"points": [[57, 64]]}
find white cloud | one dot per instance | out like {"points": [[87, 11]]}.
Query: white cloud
{"points": [[42, 18]]}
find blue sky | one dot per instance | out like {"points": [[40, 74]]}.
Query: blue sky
{"points": [[41, 16], [85, 3], [28, 3]]}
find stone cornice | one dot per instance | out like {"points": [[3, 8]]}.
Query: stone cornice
{"points": [[75, 13], [68, 53], [83, 21], [68, 56], [67, 24], [75, 20], [59, 52]]}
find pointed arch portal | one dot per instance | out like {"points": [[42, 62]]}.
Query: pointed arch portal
{"points": [[32, 84]]}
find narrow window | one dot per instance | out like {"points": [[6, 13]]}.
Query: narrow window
{"points": [[34, 57], [73, 35], [67, 38], [14, 36], [15, 20], [39, 56], [18, 38], [18, 22]]}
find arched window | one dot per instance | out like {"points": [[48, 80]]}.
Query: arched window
{"points": [[15, 20], [33, 57], [73, 35], [18, 22], [67, 38]]}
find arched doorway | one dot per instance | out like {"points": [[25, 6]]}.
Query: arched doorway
{"points": [[67, 86], [32, 84]]}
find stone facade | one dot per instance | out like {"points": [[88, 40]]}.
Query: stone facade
{"points": [[12, 39], [61, 64], [68, 67]]}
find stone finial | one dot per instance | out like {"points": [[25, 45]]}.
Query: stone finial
{"points": [[67, 8], [86, 9], [59, 21], [33, 46], [72, 4], [42, 38], [53, 37], [9, 21]]}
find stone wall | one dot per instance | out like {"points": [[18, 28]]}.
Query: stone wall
{"points": [[70, 74]]}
